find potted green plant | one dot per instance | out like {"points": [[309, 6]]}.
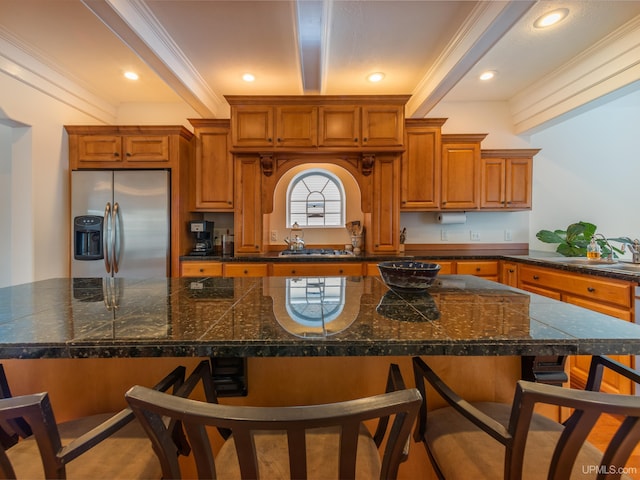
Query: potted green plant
{"points": [[573, 241]]}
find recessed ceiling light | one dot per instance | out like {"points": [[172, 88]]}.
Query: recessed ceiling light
{"points": [[247, 77], [131, 75], [375, 77], [551, 18], [488, 75]]}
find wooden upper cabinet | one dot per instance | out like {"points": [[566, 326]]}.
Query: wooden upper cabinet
{"points": [[382, 125], [296, 126], [252, 125], [461, 172], [214, 176], [118, 150], [311, 121], [421, 164], [506, 179], [339, 126]]}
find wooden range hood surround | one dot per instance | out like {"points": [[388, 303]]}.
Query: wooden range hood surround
{"points": [[269, 147]]}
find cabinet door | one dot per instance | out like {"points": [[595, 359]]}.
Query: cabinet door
{"points": [[214, 170], [460, 176], [382, 125], [252, 126], [518, 178], [339, 126], [487, 269], [421, 170], [509, 273], [146, 148], [297, 126], [385, 224], [248, 205], [493, 183], [100, 148], [245, 269]]}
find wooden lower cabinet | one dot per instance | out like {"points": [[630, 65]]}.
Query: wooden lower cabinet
{"points": [[609, 296], [316, 269], [487, 269], [245, 269], [508, 273], [200, 269]]}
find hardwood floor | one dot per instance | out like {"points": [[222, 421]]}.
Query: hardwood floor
{"points": [[601, 435]]}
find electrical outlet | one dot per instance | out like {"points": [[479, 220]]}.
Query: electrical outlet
{"points": [[274, 235], [444, 235], [507, 235], [475, 236]]}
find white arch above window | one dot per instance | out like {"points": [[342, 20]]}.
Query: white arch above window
{"points": [[316, 198]]}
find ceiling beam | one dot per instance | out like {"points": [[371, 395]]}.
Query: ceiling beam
{"points": [[310, 33], [486, 24], [134, 23]]}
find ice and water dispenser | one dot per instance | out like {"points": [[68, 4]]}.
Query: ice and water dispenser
{"points": [[87, 237]]}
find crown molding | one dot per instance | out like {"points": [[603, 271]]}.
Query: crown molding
{"points": [[34, 70], [609, 65]]}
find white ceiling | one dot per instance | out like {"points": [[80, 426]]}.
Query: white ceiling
{"points": [[196, 51]]}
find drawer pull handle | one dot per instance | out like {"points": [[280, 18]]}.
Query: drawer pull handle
{"points": [[511, 270], [591, 289], [341, 271], [536, 277], [477, 269], [201, 270], [246, 272], [293, 272]]}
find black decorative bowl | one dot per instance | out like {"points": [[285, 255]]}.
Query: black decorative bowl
{"points": [[408, 276]]}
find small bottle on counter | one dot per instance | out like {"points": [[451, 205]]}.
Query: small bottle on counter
{"points": [[593, 249]]}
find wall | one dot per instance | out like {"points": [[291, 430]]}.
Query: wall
{"points": [[34, 162], [589, 169]]}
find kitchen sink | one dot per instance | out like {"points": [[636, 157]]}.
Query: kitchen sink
{"points": [[582, 261], [622, 266], [316, 252]]}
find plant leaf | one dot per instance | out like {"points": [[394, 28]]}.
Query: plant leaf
{"points": [[548, 236]]}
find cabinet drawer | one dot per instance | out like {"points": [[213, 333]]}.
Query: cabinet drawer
{"points": [[478, 268], [317, 269], [201, 269], [616, 292], [245, 269]]}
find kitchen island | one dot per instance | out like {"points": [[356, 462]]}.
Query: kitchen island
{"points": [[305, 339]]}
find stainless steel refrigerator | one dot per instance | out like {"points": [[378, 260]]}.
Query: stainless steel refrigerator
{"points": [[120, 223]]}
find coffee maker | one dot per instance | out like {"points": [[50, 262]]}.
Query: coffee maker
{"points": [[202, 232]]}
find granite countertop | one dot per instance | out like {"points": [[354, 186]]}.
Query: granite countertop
{"points": [[308, 316]]}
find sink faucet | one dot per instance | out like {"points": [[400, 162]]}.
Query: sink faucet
{"points": [[634, 248], [609, 256]]}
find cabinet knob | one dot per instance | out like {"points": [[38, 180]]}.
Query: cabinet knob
{"points": [[365, 139], [246, 272], [116, 154], [269, 139], [341, 271], [201, 270], [278, 139], [536, 277], [591, 289], [128, 154], [293, 272], [355, 139], [478, 269], [511, 270]]}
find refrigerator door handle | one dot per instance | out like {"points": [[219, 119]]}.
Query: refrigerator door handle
{"points": [[106, 237], [117, 241]]}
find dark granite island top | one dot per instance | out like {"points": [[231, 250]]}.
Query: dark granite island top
{"points": [[294, 317]]}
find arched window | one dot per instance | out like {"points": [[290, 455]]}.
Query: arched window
{"points": [[316, 198]]}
